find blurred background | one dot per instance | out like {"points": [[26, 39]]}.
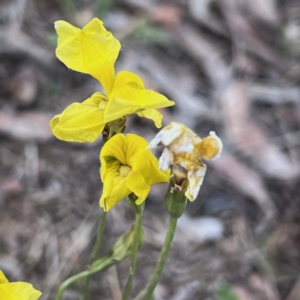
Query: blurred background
{"points": [[231, 66]]}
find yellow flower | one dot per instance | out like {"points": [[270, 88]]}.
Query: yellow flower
{"points": [[93, 50], [127, 166], [79, 122], [17, 290], [184, 152]]}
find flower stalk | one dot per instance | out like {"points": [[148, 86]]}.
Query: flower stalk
{"points": [[162, 258], [121, 250], [176, 202], [138, 209], [100, 233], [95, 252], [69, 281]]}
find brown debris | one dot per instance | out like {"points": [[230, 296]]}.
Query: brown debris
{"points": [[250, 138], [167, 15], [26, 126]]}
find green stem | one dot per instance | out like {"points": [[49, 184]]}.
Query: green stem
{"points": [[136, 245], [140, 295], [95, 252], [68, 282], [100, 233], [162, 259], [102, 265]]}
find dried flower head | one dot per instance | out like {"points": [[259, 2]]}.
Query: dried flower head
{"points": [[184, 152]]}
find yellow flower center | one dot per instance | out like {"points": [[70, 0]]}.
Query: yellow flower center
{"points": [[124, 170], [102, 104]]}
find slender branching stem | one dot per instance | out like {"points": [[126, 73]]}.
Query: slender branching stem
{"points": [[136, 245], [100, 233], [95, 252], [162, 259], [68, 282]]}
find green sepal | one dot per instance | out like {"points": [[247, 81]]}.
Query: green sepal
{"points": [[114, 127], [175, 199], [138, 209]]}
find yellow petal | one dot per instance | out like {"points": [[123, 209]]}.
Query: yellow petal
{"points": [[142, 161], [97, 100], [114, 186], [3, 279], [145, 171], [92, 50], [152, 114], [146, 164], [18, 291], [80, 122], [114, 149], [121, 148], [129, 96], [141, 169], [157, 175], [6, 293], [134, 144], [124, 78], [137, 184]]}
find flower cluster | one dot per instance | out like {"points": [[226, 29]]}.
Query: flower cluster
{"points": [[93, 50], [126, 165], [128, 168], [17, 290]]}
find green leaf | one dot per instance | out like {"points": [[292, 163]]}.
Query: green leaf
{"points": [[121, 250]]}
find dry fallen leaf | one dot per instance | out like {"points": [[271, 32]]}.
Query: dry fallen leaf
{"points": [[168, 15], [265, 11], [246, 181], [204, 12], [295, 292], [249, 138], [264, 286]]}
